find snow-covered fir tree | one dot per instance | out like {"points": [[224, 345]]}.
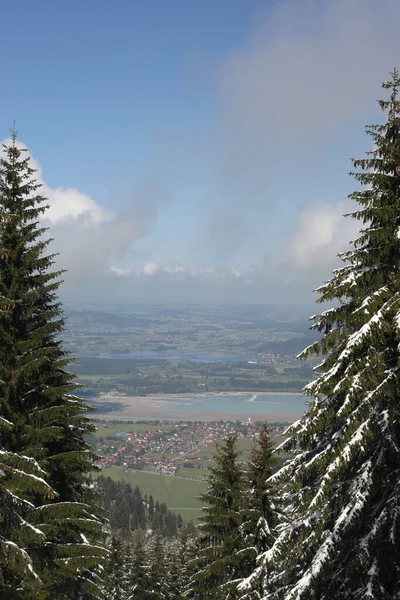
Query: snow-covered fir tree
{"points": [[149, 566], [49, 526], [343, 485], [186, 549], [178, 554], [259, 514], [158, 569], [115, 572], [136, 572], [20, 477]]}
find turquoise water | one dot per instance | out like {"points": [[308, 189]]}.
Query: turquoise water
{"points": [[239, 405], [271, 407]]}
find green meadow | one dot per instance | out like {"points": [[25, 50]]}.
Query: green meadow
{"points": [[180, 495]]}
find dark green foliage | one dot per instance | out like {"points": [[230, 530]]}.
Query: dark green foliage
{"points": [[218, 567], [149, 567], [137, 567], [260, 511], [151, 508], [158, 586], [128, 512], [47, 519], [20, 477], [114, 571], [180, 557], [343, 486], [259, 514]]}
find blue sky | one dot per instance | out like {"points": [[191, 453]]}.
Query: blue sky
{"points": [[196, 150]]}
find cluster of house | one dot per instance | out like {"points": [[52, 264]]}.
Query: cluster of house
{"points": [[159, 449], [273, 359]]}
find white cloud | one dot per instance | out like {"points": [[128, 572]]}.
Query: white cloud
{"points": [[64, 204], [236, 273], [319, 233], [201, 285], [120, 272], [309, 68], [87, 237], [149, 268], [310, 72], [70, 204], [174, 269]]}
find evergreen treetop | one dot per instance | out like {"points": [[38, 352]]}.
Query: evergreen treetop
{"points": [[260, 516], [43, 424], [218, 568]]}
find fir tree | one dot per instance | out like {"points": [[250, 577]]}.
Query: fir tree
{"points": [[259, 514], [158, 588], [217, 570], [43, 453], [114, 588], [344, 484], [151, 509], [20, 477], [137, 569], [180, 553], [138, 512]]}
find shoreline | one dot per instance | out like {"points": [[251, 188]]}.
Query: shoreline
{"points": [[195, 395], [286, 419], [163, 407]]}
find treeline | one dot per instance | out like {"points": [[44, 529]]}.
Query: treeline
{"points": [[140, 377], [91, 365], [149, 567], [130, 512], [151, 549], [291, 347], [112, 366], [241, 383], [239, 521]]}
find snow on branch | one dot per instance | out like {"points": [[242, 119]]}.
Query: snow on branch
{"points": [[370, 299], [341, 459], [22, 458], [23, 553], [357, 338]]}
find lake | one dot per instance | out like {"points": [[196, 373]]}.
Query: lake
{"points": [[241, 405], [272, 407]]}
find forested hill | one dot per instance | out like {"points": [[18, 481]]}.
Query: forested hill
{"points": [[129, 511], [151, 548]]}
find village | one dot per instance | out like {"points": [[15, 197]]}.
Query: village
{"points": [[171, 448]]}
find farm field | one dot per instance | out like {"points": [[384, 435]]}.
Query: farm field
{"points": [[203, 455], [179, 495], [194, 473], [248, 330], [155, 350]]}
